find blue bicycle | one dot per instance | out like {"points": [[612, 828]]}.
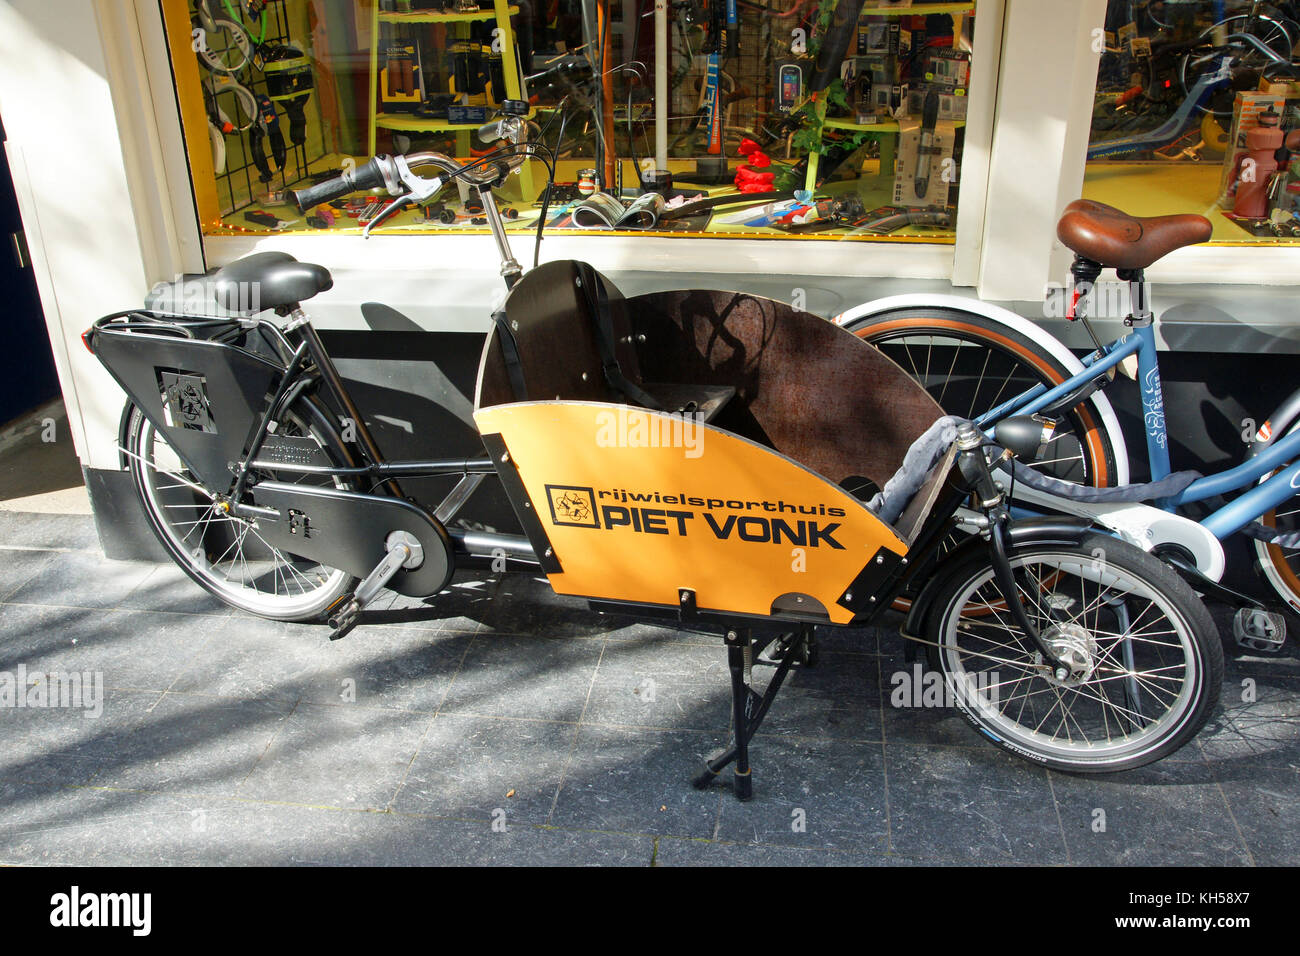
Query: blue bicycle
{"points": [[990, 365]]}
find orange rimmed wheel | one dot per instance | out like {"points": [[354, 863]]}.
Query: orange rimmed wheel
{"points": [[970, 364]]}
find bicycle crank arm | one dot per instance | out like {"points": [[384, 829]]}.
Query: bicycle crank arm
{"points": [[404, 551]]}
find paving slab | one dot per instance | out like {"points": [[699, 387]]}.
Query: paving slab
{"points": [[501, 724]]}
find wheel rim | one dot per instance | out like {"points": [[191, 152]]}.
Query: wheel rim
{"points": [[1280, 565], [933, 355], [227, 552], [1121, 702]]}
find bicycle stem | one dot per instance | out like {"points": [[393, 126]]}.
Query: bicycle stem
{"points": [[483, 181]]}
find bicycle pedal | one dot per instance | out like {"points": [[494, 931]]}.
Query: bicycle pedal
{"points": [[1259, 630], [342, 616]]}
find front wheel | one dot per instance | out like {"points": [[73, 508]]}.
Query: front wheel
{"points": [[1145, 659]]}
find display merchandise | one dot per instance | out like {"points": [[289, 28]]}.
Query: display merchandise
{"points": [[852, 103], [1182, 92]]}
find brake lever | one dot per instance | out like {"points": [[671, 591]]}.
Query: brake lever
{"points": [[417, 187], [384, 213]]}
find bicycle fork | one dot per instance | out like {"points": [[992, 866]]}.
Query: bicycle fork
{"points": [[974, 468]]}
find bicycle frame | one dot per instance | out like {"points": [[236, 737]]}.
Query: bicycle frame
{"points": [[1141, 342], [472, 470]]}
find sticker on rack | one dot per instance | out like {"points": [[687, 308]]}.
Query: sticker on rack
{"points": [[186, 402]]}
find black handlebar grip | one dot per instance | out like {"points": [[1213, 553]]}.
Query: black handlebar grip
{"points": [[367, 176]]}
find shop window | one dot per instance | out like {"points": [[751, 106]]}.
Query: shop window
{"points": [[838, 119], [1196, 102]]}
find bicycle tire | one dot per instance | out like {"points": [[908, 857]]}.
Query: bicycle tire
{"points": [[1132, 695], [1096, 450], [1280, 566], [176, 511]]}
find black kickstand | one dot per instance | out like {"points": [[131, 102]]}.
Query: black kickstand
{"points": [[748, 706]]}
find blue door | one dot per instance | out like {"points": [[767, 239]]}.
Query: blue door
{"points": [[27, 377]]}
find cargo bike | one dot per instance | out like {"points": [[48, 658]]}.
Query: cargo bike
{"points": [[706, 459]]}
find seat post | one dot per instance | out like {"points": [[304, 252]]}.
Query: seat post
{"points": [[1139, 307], [1084, 273], [333, 383]]}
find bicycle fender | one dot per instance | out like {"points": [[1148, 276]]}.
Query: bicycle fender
{"points": [[1046, 529], [1014, 322]]}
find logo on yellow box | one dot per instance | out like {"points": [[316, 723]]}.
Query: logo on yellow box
{"points": [[572, 505]]}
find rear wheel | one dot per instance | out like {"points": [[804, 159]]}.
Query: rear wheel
{"points": [[1281, 566], [970, 365], [222, 552], [1145, 659]]}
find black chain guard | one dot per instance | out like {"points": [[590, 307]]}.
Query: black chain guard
{"points": [[348, 530]]}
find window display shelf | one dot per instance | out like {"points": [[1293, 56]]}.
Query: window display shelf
{"points": [[919, 10], [383, 27], [400, 123], [887, 126], [421, 16], [1159, 188]]}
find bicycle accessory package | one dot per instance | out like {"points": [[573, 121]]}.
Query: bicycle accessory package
{"points": [[468, 75], [1247, 110], [401, 83], [789, 84], [925, 169], [835, 44], [222, 45], [289, 82], [925, 148], [266, 127]]}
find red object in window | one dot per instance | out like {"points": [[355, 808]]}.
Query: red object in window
{"points": [[746, 175]]}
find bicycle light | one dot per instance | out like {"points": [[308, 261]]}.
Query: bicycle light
{"points": [[1025, 436]]}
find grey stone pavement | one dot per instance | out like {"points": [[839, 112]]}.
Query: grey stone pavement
{"points": [[500, 724]]}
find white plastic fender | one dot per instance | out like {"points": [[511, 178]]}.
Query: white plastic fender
{"points": [[1139, 524], [1016, 323]]}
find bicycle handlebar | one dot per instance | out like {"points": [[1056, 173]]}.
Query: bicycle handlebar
{"points": [[395, 174], [368, 176]]}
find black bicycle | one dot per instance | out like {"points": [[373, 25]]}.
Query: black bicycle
{"points": [[712, 459]]}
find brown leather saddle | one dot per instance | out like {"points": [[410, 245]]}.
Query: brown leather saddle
{"points": [[1116, 240]]}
